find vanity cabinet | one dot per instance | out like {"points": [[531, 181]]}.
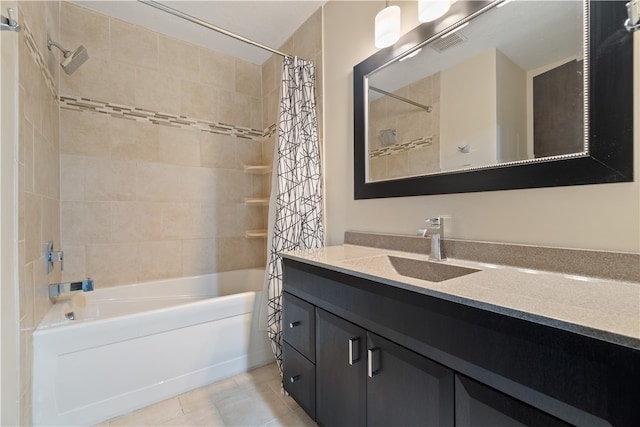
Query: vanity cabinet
{"points": [[390, 356], [298, 352]]}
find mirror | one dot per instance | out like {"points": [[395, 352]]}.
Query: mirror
{"points": [[491, 98]]}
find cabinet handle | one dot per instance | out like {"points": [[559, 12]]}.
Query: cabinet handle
{"points": [[373, 362], [294, 324], [354, 350], [294, 379]]}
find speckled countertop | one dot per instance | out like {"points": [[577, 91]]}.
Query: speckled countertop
{"points": [[604, 309]]}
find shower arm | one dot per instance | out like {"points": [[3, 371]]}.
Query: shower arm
{"points": [[64, 51]]}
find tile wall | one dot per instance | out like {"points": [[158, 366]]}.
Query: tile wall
{"points": [[38, 175], [417, 147], [305, 43], [155, 133]]}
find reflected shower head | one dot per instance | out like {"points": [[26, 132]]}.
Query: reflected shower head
{"points": [[72, 60]]}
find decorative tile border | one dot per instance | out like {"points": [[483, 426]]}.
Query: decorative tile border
{"points": [[163, 119], [37, 57], [426, 141]]}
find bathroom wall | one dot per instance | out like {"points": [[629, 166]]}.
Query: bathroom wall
{"points": [[155, 134], [605, 216], [38, 174], [306, 43]]}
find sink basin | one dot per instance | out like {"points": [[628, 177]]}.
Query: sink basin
{"points": [[427, 270]]}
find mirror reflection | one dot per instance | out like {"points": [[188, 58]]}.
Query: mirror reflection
{"points": [[499, 90]]}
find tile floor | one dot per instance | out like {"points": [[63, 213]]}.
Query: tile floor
{"points": [[250, 399]]}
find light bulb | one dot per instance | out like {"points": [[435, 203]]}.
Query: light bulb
{"points": [[429, 10], [387, 26]]}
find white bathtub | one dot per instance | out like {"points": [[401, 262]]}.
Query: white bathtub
{"points": [[138, 344]]}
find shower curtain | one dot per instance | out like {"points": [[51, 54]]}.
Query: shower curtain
{"points": [[295, 209]]}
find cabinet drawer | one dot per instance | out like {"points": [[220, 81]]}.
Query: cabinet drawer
{"points": [[298, 323], [299, 379]]}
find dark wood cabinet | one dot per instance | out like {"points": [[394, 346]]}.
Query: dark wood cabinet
{"points": [[341, 369], [387, 356], [406, 389], [298, 352], [364, 379], [479, 405]]}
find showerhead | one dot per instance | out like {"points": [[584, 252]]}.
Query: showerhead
{"points": [[72, 60]]}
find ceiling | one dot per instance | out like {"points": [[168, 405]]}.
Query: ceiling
{"points": [[267, 22], [532, 34]]}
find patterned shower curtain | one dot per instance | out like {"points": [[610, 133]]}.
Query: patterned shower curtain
{"points": [[295, 217]]}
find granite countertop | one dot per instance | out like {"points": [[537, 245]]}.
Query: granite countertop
{"points": [[604, 309]]}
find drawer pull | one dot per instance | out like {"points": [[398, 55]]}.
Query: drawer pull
{"points": [[354, 350], [294, 324], [373, 363], [294, 379]]}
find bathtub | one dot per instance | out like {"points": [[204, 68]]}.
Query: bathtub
{"points": [[135, 345]]}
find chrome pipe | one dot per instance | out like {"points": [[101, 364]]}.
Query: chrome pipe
{"points": [[427, 108], [210, 26]]}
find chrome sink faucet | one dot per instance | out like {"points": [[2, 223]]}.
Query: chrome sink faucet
{"points": [[435, 230]]}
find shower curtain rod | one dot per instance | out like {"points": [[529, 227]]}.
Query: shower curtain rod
{"points": [[205, 24], [427, 108]]}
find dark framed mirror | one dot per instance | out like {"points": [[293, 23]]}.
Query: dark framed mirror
{"points": [[421, 127]]}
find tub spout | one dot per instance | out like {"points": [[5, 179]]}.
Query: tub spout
{"points": [[57, 289]]}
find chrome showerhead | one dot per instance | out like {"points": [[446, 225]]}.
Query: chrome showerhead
{"points": [[72, 60]]}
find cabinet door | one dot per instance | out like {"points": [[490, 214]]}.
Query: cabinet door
{"points": [[406, 389], [480, 405], [340, 372]]}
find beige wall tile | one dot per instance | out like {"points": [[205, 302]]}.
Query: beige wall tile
{"points": [[158, 182], [107, 179], [26, 297], [307, 40], [102, 80], [46, 167], [83, 133], [218, 151], [28, 157], [199, 185], [217, 69], [248, 152], [179, 146], [81, 26], [112, 264], [235, 108], [179, 59], [233, 219], [248, 78], [256, 114], [33, 227], [73, 222], [133, 140], [74, 263], [188, 221], [199, 256], [199, 101], [232, 186], [98, 221], [71, 177], [133, 45], [157, 92], [136, 221], [239, 252], [159, 260]]}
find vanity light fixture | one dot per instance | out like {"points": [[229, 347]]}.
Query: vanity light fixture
{"points": [[455, 30], [387, 26], [430, 10]]}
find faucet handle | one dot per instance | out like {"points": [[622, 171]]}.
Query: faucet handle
{"points": [[436, 222]]}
